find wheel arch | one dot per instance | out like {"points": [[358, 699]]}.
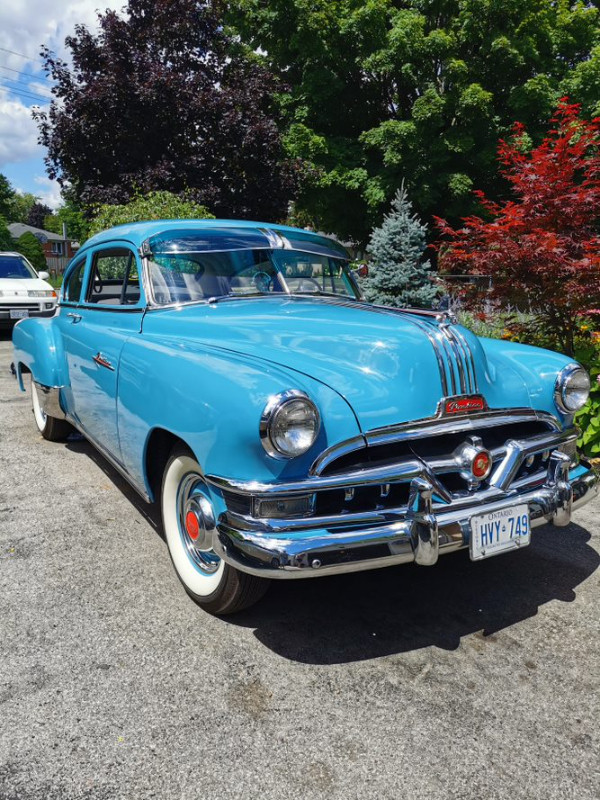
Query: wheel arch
{"points": [[159, 445]]}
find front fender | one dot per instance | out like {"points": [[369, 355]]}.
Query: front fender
{"points": [[212, 399], [536, 368], [38, 347]]}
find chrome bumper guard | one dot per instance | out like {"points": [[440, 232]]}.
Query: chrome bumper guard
{"points": [[313, 547]]}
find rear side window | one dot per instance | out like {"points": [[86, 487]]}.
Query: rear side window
{"points": [[114, 279], [72, 290]]}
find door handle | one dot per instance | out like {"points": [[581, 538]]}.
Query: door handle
{"points": [[102, 361], [74, 317]]}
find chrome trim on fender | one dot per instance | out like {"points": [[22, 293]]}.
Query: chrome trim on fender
{"points": [[49, 397]]}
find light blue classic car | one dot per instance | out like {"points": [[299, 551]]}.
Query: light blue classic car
{"points": [[289, 429]]}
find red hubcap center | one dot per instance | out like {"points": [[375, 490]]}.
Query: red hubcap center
{"points": [[481, 465], [192, 525]]}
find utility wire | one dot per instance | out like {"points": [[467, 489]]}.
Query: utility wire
{"points": [[27, 74], [21, 55], [23, 87], [23, 94]]}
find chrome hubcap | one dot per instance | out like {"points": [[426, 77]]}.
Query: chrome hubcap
{"points": [[197, 525]]}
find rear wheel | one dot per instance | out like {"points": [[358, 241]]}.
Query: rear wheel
{"points": [[189, 524], [51, 428]]}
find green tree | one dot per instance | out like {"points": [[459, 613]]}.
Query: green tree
{"points": [[32, 249], [73, 217], [6, 196], [6, 242], [21, 205], [419, 90], [154, 205], [398, 275]]}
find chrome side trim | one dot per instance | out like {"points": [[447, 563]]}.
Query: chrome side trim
{"points": [[141, 490]]}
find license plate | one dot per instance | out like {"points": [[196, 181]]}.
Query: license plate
{"points": [[499, 531], [17, 313]]}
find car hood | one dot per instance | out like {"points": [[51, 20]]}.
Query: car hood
{"points": [[18, 287], [381, 361]]}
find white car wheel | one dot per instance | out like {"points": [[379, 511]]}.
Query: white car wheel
{"points": [[190, 525]]}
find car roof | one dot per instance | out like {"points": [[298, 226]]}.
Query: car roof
{"points": [[137, 232]]}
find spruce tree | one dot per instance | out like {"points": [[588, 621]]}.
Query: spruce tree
{"points": [[398, 276]]}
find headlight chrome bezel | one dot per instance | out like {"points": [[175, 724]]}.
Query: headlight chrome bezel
{"points": [[269, 415], [563, 380]]}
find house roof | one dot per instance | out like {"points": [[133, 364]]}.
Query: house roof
{"points": [[19, 228]]}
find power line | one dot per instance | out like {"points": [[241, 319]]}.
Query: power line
{"points": [[27, 74], [25, 94], [21, 55], [19, 87]]}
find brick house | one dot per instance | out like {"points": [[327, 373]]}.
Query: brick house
{"points": [[58, 251]]}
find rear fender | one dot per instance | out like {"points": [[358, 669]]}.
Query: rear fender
{"points": [[38, 347]]}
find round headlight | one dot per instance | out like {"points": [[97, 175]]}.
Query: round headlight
{"points": [[572, 388], [289, 424]]}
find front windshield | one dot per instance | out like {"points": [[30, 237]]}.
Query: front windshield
{"points": [[183, 277], [15, 267]]}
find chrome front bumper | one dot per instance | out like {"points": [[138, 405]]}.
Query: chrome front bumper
{"points": [[415, 535]]}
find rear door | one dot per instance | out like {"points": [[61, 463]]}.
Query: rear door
{"points": [[94, 332]]}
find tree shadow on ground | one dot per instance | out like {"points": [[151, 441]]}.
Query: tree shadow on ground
{"points": [[366, 615]]}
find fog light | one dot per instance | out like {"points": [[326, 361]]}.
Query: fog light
{"points": [[273, 508]]}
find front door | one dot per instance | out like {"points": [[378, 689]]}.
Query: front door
{"points": [[94, 332]]}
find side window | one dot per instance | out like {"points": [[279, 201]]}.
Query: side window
{"points": [[114, 279], [72, 290]]}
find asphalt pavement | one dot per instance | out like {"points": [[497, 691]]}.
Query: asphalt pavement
{"points": [[456, 681]]}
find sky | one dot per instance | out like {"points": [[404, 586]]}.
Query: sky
{"points": [[26, 25]]}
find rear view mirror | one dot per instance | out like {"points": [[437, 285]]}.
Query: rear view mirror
{"points": [[44, 275]]}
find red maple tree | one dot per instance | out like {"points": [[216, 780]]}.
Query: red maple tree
{"points": [[542, 249]]}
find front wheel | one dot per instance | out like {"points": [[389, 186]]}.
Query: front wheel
{"points": [[51, 428], [189, 524]]}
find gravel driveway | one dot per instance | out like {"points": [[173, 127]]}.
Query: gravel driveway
{"points": [[456, 681]]}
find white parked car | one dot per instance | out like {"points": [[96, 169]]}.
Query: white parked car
{"points": [[23, 291]]}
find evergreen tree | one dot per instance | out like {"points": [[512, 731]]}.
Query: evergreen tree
{"points": [[398, 276], [31, 248]]}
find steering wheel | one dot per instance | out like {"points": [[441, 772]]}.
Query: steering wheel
{"points": [[311, 281], [97, 284], [263, 282]]}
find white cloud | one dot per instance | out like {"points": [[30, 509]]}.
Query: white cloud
{"points": [[18, 132], [25, 25], [51, 193]]}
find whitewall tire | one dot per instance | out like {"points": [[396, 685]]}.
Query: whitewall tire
{"points": [[189, 524], [51, 428]]}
